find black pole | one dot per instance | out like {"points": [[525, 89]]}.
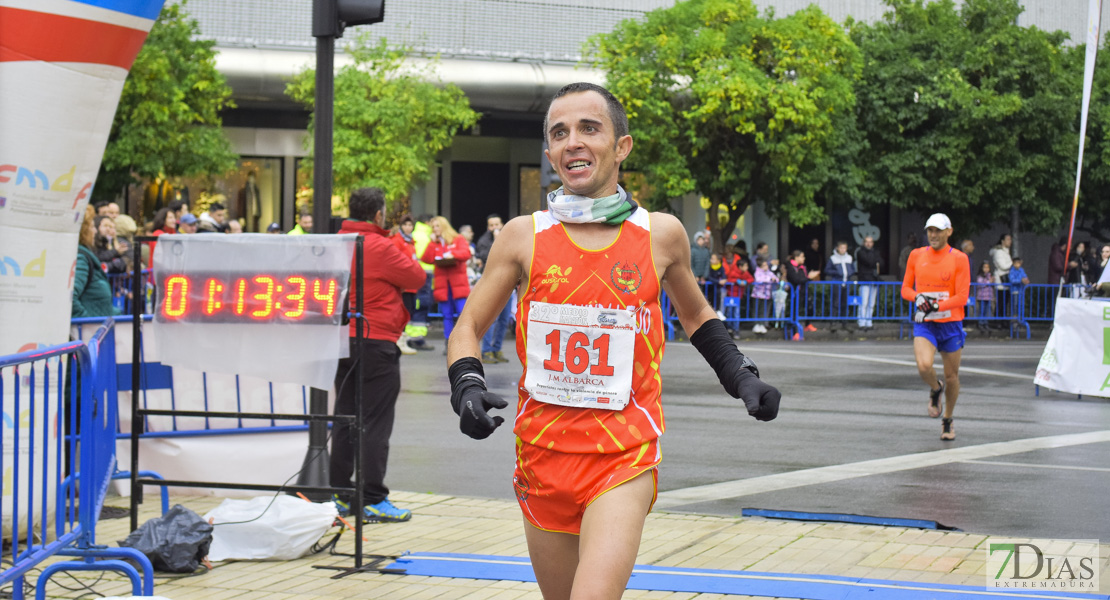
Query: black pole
{"points": [[138, 298], [360, 319], [314, 471]]}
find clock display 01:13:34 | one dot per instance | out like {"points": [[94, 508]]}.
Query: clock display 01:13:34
{"points": [[315, 298]]}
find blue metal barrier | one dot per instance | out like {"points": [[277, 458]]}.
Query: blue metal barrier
{"points": [[740, 309], [989, 303], [853, 302], [1038, 300], [39, 396]]}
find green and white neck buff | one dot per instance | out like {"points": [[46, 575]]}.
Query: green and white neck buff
{"points": [[611, 210]]}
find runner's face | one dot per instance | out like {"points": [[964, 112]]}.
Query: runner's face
{"points": [[938, 238], [582, 145]]}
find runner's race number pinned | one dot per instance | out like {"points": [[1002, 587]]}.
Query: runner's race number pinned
{"points": [[580, 356]]}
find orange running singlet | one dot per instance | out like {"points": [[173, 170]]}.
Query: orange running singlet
{"points": [[944, 273], [590, 337]]}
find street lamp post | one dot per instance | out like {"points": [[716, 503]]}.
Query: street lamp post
{"points": [[329, 18]]}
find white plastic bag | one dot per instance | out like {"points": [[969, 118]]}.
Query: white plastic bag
{"points": [[779, 299], [284, 532]]}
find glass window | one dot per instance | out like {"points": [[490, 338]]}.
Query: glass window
{"points": [[531, 196], [251, 192]]}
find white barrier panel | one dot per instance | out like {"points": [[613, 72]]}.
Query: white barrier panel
{"points": [[1076, 358], [62, 68]]}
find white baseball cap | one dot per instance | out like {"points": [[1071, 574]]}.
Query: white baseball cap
{"points": [[940, 221]]}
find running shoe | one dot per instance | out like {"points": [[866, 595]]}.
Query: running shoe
{"points": [[947, 433], [934, 401], [385, 511], [380, 512], [810, 327], [489, 359], [500, 357]]}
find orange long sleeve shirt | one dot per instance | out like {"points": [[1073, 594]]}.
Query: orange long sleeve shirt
{"points": [[944, 270]]}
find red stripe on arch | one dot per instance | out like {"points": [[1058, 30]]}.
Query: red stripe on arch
{"points": [[27, 35]]}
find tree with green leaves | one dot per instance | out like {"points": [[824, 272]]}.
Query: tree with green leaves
{"points": [[734, 105], [168, 121], [391, 120], [968, 113]]}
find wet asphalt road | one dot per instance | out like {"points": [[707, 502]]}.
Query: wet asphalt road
{"points": [[844, 403]]}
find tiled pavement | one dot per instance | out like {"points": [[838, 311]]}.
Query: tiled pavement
{"points": [[493, 527]]}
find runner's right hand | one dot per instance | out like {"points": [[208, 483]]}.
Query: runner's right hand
{"points": [[474, 420], [470, 399]]}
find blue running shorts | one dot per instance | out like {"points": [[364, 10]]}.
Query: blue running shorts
{"points": [[947, 337]]}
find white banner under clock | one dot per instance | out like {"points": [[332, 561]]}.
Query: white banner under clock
{"points": [[265, 305]]}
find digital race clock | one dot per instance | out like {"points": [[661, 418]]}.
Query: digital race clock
{"points": [[259, 297]]}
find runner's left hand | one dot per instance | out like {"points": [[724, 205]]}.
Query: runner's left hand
{"points": [[761, 398], [924, 305]]}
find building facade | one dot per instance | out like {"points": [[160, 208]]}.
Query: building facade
{"points": [[508, 56]]}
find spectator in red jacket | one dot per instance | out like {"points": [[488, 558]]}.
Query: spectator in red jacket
{"points": [[448, 251], [386, 271], [738, 275]]}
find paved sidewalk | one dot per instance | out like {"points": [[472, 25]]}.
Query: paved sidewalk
{"points": [[447, 524]]}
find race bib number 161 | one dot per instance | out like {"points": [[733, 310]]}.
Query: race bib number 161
{"points": [[580, 356]]}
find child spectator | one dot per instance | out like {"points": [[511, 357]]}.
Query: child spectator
{"points": [[1018, 280], [761, 292], [713, 283], [739, 279], [984, 294]]}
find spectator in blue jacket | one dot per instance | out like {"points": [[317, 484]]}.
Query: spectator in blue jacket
{"points": [[840, 269], [1018, 280]]}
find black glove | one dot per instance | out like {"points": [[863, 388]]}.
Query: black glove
{"points": [[762, 399], [470, 399], [736, 372], [923, 305]]}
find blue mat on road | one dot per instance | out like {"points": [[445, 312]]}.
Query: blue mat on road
{"points": [[710, 581]]}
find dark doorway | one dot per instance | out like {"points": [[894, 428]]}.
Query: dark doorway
{"points": [[800, 239], [478, 189]]}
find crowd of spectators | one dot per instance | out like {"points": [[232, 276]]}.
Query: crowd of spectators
{"points": [[737, 284], [849, 288]]}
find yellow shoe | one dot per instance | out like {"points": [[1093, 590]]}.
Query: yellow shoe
{"points": [[500, 357], [489, 359]]}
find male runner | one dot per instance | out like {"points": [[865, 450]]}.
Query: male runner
{"points": [[589, 272], [937, 280]]}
